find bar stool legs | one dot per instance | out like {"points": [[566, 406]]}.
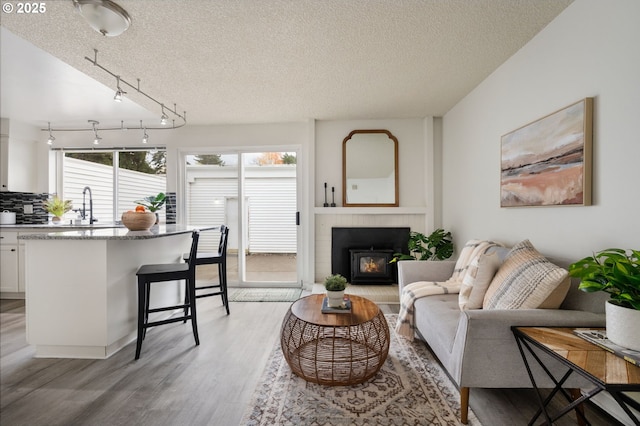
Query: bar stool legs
{"points": [[148, 274]]}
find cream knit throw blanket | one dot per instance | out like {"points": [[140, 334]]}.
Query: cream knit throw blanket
{"points": [[405, 326]]}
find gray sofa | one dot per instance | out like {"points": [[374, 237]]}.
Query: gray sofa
{"points": [[477, 347]]}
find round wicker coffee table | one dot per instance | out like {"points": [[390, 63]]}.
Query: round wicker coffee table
{"points": [[334, 349]]}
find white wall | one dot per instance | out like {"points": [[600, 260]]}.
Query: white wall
{"points": [[590, 50], [411, 157]]}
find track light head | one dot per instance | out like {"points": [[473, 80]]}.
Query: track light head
{"points": [[119, 92], [118, 96], [51, 138], [145, 137]]}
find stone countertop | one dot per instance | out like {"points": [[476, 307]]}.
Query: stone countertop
{"points": [[115, 233], [66, 227]]}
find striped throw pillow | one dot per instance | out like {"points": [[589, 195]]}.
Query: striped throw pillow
{"points": [[524, 281], [476, 282]]}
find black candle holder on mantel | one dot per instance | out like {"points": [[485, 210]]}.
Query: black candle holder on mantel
{"points": [[325, 196], [333, 196]]}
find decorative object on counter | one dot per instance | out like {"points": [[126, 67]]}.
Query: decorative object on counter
{"points": [[325, 196], [7, 218], [617, 272], [57, 207], [139, 220], [437, 246], [335, 286], [333, 196], [153, 203]]}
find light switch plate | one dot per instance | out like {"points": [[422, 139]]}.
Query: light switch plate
{"points": [[28, 208]]}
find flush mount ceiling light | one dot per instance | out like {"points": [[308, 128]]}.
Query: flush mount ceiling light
{"points": [[95, 127], [104, 16]]}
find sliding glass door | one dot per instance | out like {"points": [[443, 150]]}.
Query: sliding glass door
{"points": [[255, 195]]}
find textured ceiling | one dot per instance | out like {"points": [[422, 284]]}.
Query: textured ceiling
{"points": [[249, 61]]}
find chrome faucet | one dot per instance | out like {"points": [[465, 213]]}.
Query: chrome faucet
{"points": [[84, 207]]}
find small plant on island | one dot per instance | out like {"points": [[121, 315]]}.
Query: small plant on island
{"points": [[153, 202], [614, 271], [57, 206], [437, 246], [335, 283]]}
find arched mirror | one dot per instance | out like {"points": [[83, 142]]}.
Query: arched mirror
{"points": [[370, 169]]}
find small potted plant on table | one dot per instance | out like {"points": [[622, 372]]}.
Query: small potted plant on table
{"points": [[617, 272], [335, 286]]}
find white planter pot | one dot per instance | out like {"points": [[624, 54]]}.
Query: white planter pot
{"points": [[335, 298], [622, 326]]}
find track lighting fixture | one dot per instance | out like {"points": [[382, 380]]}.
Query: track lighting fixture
{"points": [[119, 92], [165, 124], [145, 137], [164, 118], [97, 138], [51, 138]]}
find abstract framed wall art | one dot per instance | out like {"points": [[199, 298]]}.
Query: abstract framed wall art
{"points": [[548, 162]]}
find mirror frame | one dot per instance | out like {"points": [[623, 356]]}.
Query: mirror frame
{"points": [[344, 169]]}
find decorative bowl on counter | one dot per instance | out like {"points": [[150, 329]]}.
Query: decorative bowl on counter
{"points": [[138, 221]]}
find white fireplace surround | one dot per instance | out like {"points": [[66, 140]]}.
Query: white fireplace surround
{"points": [[327, 218]]}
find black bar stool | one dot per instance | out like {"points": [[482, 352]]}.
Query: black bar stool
{"points": [[148, 274], [210, 258]]}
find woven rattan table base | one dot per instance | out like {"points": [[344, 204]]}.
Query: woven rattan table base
{"points": [[335, 355]]}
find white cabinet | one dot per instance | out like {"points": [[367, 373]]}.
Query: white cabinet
{"points": [[18, 148], [9, 266], [12, 273], [4, 163]]}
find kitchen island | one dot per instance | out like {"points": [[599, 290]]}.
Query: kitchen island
{"points": [[81, 292]]}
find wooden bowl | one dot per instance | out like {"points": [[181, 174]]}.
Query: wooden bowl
{"points": [[138, 221]]}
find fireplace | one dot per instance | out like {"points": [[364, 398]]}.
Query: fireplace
{"points": [[382, 241], [368, 266]]}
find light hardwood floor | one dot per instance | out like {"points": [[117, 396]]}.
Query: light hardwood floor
{"points": [[175, 382]]}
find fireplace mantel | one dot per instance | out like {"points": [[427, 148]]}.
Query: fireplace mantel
{"points": [[370, 210]]}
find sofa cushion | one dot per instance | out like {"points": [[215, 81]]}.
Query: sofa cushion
{"points": [[557, 296], [524, 281], [476, 282]]}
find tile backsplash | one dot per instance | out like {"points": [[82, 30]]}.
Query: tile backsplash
{"points": [[170, 207], [15, 202]]}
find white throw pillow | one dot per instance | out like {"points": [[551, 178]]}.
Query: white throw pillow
{"points": [[476, 282]]}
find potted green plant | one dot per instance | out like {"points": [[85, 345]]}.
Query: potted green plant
{"points": [[437, 246], [617, 272], [335, 286], [57, 207], [153, 203]]}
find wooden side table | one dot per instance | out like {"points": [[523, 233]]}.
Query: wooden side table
{"points": [[607, 371], [334, 349]]}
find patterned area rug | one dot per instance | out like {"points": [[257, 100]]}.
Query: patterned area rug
{"points": [[264, 294], [410, 389]]}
